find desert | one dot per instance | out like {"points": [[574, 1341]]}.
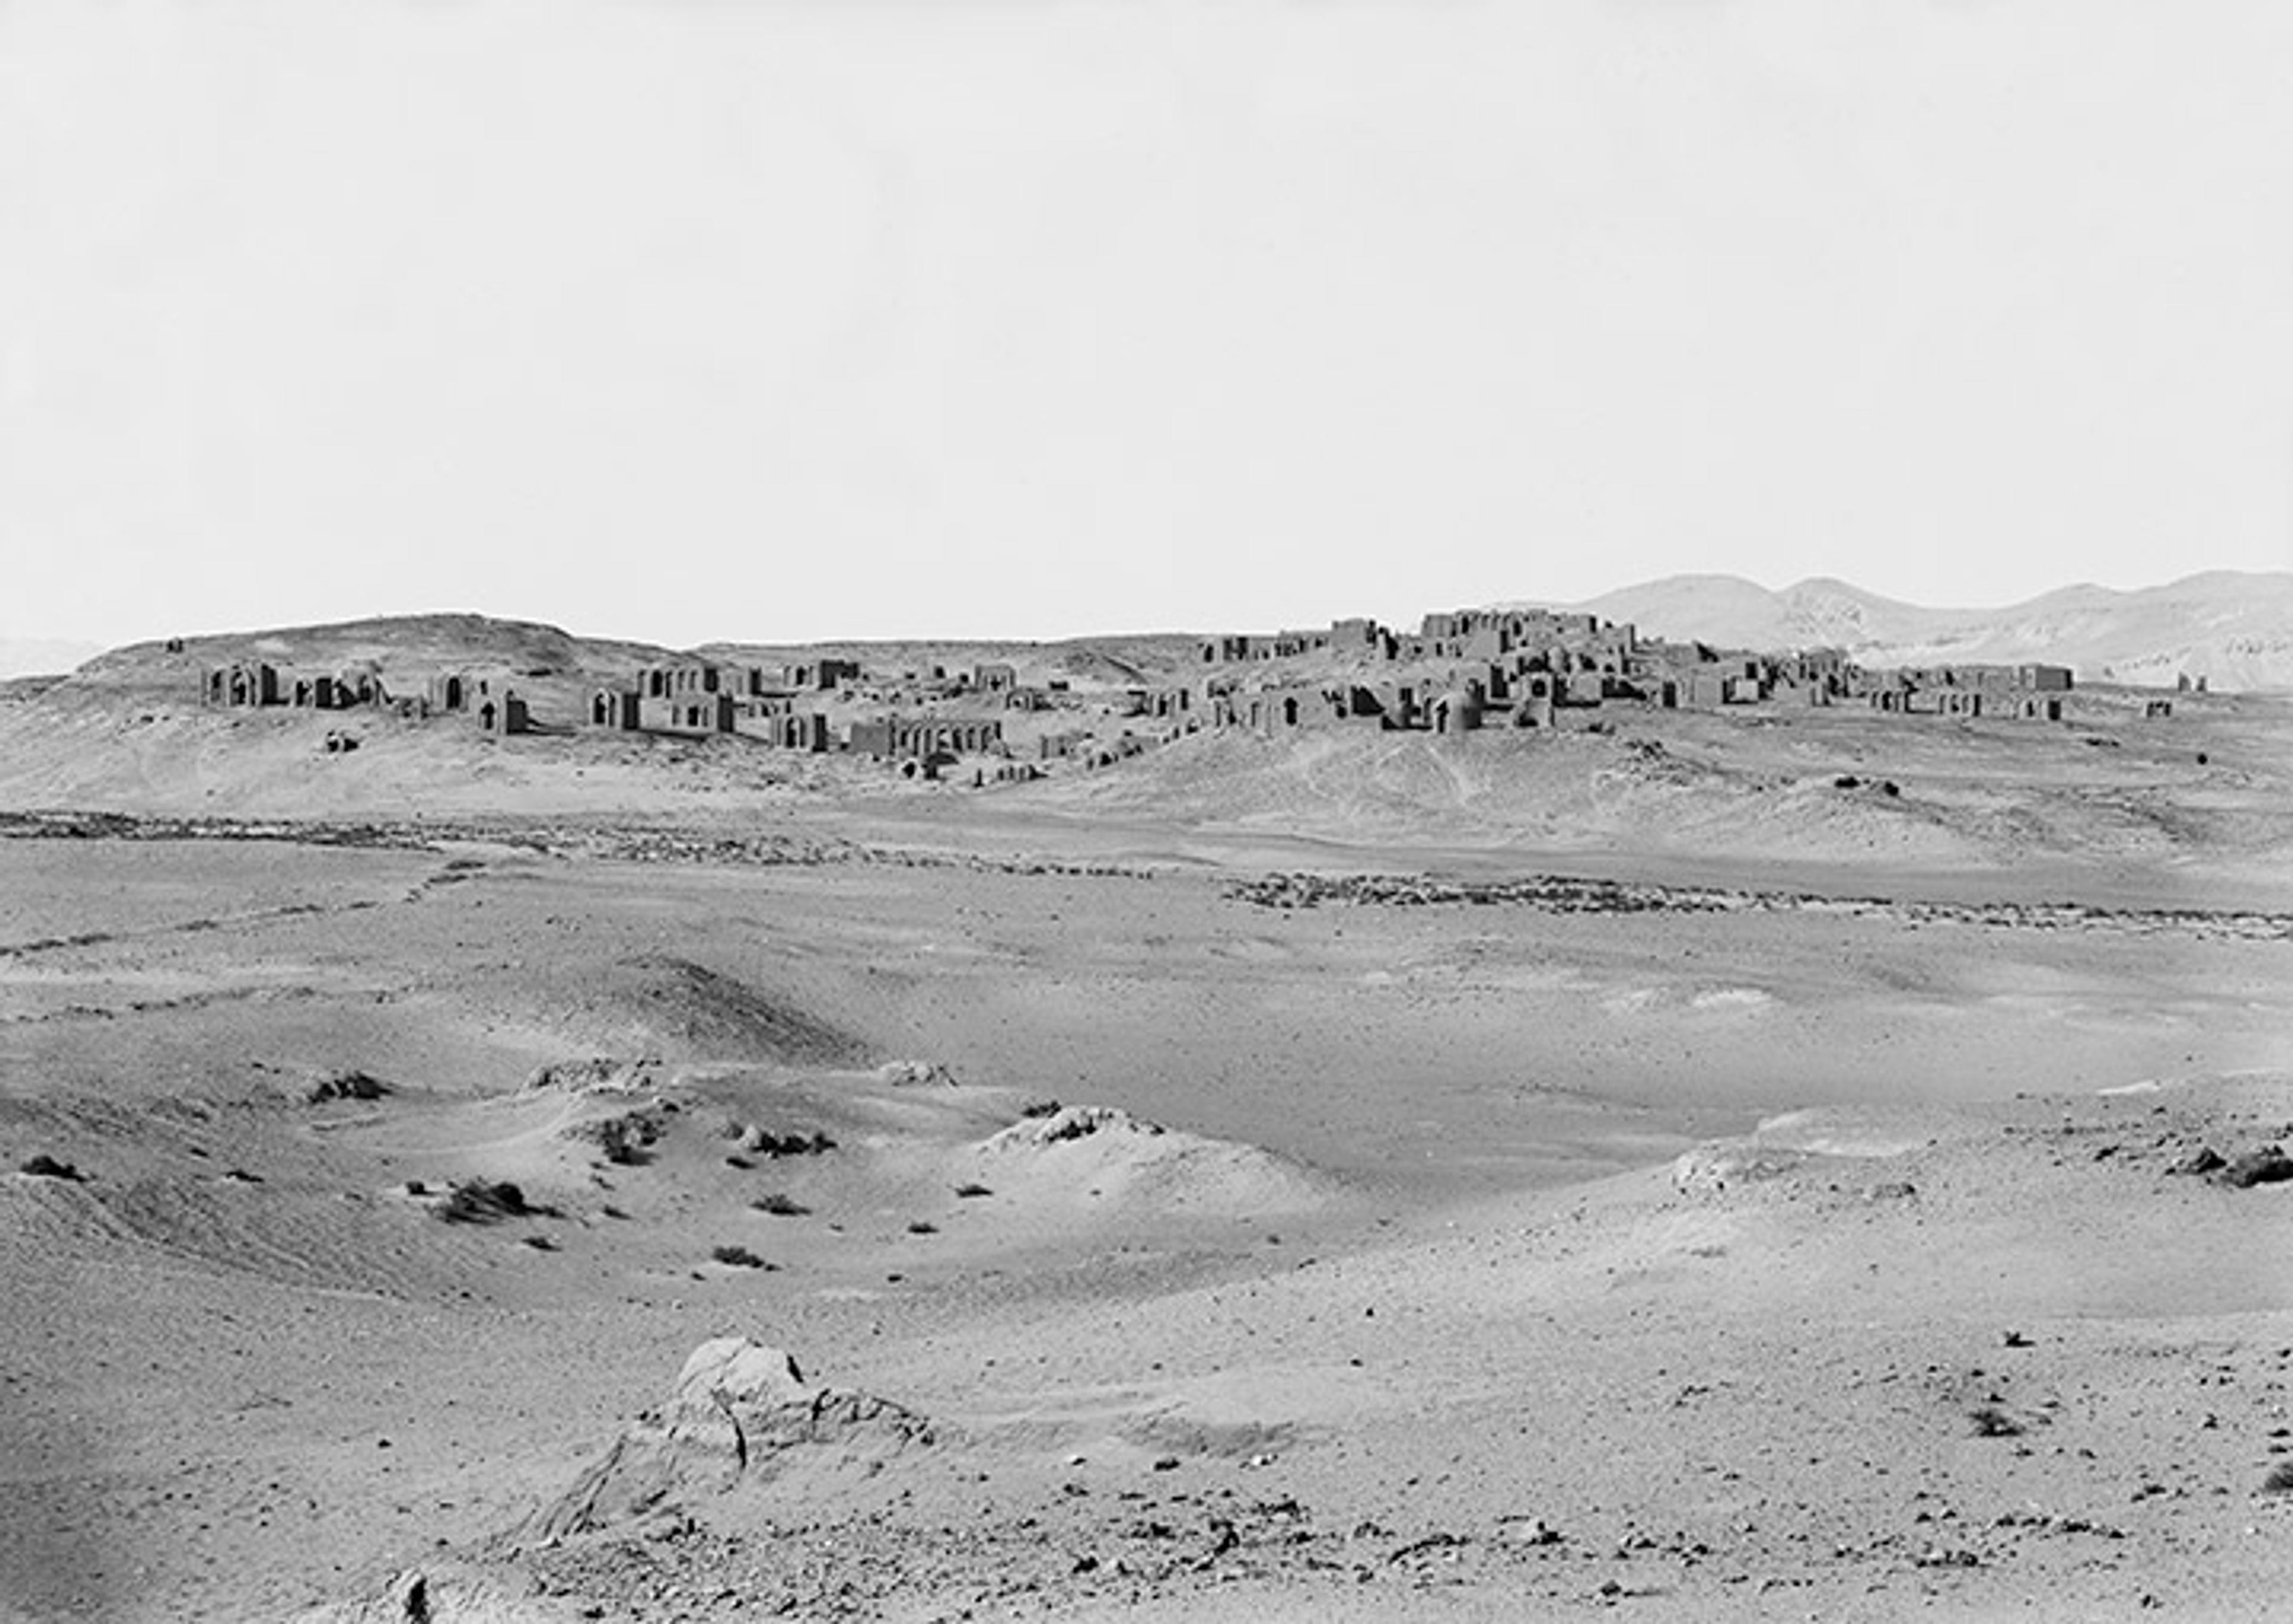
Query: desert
{"points": [[1774, 1156]]}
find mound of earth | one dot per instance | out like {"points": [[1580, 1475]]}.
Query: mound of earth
{"points": [[1103, 1153], [705, 1013], [740, 1408], [1712, 1169], [447, 1592], [597, 1073]]}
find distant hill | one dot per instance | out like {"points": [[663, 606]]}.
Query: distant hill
{"points": [[42, 655], [2235, 629], [406, 647]]}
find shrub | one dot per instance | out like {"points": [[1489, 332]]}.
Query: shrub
{"points": [[923, 1226], [739, 1257], [780, 1204], [967, 1191]]}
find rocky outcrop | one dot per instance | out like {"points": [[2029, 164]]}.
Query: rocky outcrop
{"points": [[741, 1412]]}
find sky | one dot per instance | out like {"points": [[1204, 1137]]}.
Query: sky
{"points": [[689, 319]]}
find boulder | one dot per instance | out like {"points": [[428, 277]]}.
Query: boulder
{"points": [[742, 1412], [2266, 1165]]}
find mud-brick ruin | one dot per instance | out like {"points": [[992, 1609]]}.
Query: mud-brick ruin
{"points": [[1471, 669], [1001, 720]]}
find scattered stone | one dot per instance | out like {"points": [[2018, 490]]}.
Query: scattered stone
{"points": [[2204, 1159]]}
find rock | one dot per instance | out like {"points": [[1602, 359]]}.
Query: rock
{"points": [[346, 1086], [44, 1166], [739, 1411], [2204, 1159], [2266, 1165]]}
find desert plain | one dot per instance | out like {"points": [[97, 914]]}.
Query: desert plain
{"points": [[1809, 1167]]}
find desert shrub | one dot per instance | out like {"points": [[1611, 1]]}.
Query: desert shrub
{"points": [[44, 1166], [967, 1191], [1847, 781], [481, 1200], [1992, 1422], [923, 1226], [780, 1204], [739, 1257]]}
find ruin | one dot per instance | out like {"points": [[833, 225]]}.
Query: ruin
{"points": [[1461, 672]]}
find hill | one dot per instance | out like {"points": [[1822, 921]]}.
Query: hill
{"points": [[2234, 628], [42, 655]]}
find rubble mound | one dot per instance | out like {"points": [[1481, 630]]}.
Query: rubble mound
{"points": [[690, 1008], [1073, 1122], [1107, 1158], [600, 1072], [741, 1413], [915, 1074], [1712, 1169], [446, 1591]]}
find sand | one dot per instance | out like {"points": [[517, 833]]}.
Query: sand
{"points": [[1770, 1214]]}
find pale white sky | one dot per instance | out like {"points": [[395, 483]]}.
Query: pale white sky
{"points": [[683, 319]]}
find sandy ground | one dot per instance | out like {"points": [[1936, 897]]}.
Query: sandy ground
{"points": [[1790, 1233]]}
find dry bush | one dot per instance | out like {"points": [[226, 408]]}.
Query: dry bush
{"points": [[739, 1257], [780, 1204]]}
